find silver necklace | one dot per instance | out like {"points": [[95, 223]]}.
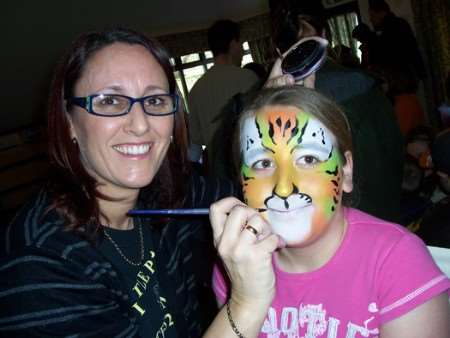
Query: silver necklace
{"points": [[129, 261]]}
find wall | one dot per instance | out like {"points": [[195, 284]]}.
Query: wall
{"points": [[36, 33]]}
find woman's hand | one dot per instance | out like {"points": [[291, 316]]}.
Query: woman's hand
{"points": [[247, 256], [277, 78]]}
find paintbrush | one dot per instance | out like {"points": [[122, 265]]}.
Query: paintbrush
{"points": [[172, 212]]}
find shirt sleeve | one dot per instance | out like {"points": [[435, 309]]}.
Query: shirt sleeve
{"points": [[48, 296], [205, 191], [408, 278], [219, 284]]}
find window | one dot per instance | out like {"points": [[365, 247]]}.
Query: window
{"points": [[189, 68], [247, 57], [341, 27]]}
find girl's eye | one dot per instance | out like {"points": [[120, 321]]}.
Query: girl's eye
{"points": [[263, 164], [308, 161]]}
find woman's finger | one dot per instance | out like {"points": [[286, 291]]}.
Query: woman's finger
{"points": [[282, 80], [254, 228], [310, 81], [270, 243], [218, 214], [235, 224]]}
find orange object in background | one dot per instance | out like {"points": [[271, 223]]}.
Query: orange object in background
{"points": [[408, 111]]}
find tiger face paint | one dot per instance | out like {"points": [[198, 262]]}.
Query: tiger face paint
{"points": [[291, 171]]}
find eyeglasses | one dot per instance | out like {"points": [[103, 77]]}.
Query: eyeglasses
{"points": [[118, 105]]}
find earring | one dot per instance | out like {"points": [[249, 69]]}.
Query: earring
{"points": [[74, 140], [171, 138]]}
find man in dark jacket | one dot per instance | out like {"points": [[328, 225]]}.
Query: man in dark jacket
{"points": [[395, 43]]}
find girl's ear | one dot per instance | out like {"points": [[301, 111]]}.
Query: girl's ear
{"points": [[347, 181]]}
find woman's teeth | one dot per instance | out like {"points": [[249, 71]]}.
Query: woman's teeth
{"points": [[133, 150]]}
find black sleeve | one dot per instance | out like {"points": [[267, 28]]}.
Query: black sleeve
{"points": [[205, 191], [45, 295]]}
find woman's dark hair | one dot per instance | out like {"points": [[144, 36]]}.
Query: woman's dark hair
{"points": [[74, 191]]}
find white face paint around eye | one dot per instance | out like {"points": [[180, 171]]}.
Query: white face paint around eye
{"points": [[250, 142]]}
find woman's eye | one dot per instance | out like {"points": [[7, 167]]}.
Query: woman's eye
{"points": [[308, 160], [263, 164], [108, 101], [154, 101]]}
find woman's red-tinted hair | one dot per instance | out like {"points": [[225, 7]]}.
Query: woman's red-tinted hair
{"points": [[74, 192]]}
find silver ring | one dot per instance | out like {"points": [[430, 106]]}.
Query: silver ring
{"points": [[251, 229]]}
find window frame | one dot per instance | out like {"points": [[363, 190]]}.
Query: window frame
{"points": [[180, 67]]}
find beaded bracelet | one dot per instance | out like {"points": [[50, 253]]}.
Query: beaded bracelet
{"points": [[232, 324]]}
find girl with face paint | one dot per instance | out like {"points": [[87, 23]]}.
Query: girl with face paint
{"points": [[340, 272]]}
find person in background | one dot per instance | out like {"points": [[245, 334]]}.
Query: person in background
{"points": [[76, 262], [258, 69], [434, 227], [344, 56], [396, 44], [402, 89], [217, 86], [342, 272], [378, 153], [368, 49], [418, 179], [220, 158]]}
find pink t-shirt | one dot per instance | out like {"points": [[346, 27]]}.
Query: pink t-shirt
{"points": [[380, 272]]}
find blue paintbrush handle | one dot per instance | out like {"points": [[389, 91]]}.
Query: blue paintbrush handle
{"points": [[162, 212]]}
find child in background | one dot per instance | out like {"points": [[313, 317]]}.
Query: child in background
{"points": [[435, 224], [418, 180]]}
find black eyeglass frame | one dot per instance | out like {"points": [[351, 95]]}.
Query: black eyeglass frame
{"points": [[86, 103]]}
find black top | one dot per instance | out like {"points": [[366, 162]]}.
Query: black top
{"points": [[55, 283], [148, 299]]}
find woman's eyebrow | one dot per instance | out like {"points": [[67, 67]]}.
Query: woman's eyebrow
{"points": [[112, 88], [153, 88]]}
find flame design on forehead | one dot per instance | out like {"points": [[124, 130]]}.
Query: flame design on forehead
{"points": [[281, 127]]}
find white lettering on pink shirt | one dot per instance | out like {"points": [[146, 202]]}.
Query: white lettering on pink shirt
{"points": [[312, 320]]}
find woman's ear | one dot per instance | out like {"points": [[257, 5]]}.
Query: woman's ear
{"points": [[347, 180], [73, 134]]}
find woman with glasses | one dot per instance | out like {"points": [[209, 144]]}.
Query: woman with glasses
{"points": [[78, 264]]}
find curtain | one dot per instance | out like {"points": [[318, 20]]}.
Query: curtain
{"points": [[432, 20], [256, 31]]}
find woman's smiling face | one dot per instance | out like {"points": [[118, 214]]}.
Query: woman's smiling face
{"points": [[291, 171], [123, 152]]}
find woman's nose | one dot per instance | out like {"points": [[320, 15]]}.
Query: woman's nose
{"points": [[137, 120]]}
